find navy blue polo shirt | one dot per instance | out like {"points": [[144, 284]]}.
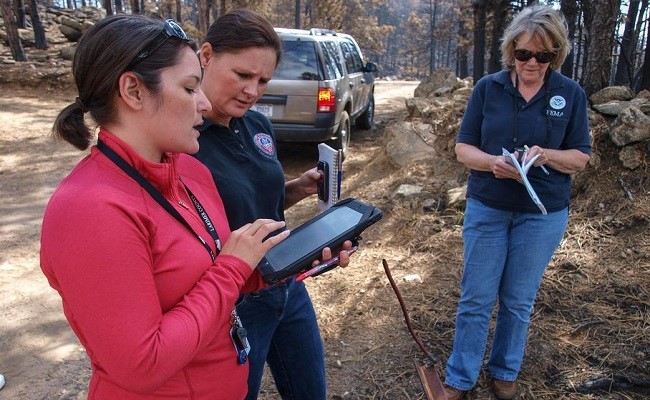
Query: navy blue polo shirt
{"points": [[555, 118], [243, 161]]}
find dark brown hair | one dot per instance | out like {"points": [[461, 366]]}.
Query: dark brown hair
{"points": [[103, 54], [241, 29]]}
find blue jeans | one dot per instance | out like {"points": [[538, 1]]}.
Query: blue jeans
{"points": [[283, 331], [505, 255]]}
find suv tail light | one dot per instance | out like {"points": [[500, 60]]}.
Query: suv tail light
{"points": [[326, 100]]}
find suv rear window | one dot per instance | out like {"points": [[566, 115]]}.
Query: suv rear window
{"points": [[298, 62]]}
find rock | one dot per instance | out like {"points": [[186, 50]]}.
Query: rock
{"points": [[406, 143], [416, 106], [72, 23], [412, 278], [433, 205], [27, 37], [456, 197], [86, 25], [438, 79], [615, 108], [463, 92], [67, 53], [611, 93], [442, 91], [70, 33], [632, 156], [406, 190], [631, 126]]}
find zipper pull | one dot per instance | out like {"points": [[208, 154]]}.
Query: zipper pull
{"points": [[183, 204]]}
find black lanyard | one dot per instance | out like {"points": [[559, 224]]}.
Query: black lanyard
{"points": [[126, 167]]}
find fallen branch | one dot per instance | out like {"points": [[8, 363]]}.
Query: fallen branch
{"points": [[614, 382], [584, 326], [628, 194]]}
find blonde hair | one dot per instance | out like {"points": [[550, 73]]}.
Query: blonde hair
{"points": [[543, 23]]}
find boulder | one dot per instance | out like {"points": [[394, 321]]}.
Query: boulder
{"points": [[632, 156], [616, 107], [70, 33], [611, 93], [406, 143], [630, 126], [441, 78]]}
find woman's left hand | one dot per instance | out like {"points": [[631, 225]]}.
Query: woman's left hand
{"points": [[308, 181], [344, 256], [535, 150], [303, 186]]}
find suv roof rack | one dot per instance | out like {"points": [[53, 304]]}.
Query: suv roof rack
{"points": [[322, 31]]}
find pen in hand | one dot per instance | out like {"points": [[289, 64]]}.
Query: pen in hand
{"points": [[541, 166], [324, 267]]}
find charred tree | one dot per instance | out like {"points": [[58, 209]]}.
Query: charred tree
{"points": [[500, 13], [16, 46], [600, 21], [625, 63], [39, 33], [645, 75], [479, 38], [571, 11]]}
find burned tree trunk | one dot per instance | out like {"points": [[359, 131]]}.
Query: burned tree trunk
{"points": [[15, 44]]}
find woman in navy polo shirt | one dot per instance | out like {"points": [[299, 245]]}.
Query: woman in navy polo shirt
{"points": [[507, 240], [240, 53]]}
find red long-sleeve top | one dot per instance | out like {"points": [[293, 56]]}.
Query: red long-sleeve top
{"points": [[138, 288]]}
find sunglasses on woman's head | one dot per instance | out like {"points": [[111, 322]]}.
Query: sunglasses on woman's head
{"points": [[543, 57], [170, 29]]}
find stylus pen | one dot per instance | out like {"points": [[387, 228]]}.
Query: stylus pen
{"points": [[324, 267]]}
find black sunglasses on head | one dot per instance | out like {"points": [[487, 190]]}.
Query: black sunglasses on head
{"points": [[543, 57], [170, 29]]}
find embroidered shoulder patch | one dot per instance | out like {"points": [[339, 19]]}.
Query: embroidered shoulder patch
{"points": [[264, 143]]}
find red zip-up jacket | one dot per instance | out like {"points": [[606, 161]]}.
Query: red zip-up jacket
{"points": [[138, 288]]}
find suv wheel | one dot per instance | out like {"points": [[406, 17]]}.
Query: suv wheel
{"points": [[342, 140], [367, 119]]}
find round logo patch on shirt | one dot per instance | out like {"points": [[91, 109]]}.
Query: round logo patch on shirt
{"points": [[264, 142], [557, 102]]}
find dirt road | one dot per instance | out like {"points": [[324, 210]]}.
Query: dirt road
{"points": [[39, 356]]}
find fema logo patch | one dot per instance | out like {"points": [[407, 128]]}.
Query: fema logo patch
{"points": [[557, 102], [264, 143]]}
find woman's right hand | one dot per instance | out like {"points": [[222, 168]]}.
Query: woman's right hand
{"points": [[502, 169], [248, 244]]}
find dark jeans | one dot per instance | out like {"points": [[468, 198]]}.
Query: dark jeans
{"points": [[283, 331]]}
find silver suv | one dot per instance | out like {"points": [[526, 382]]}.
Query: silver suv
{"points": [[321, 87]]}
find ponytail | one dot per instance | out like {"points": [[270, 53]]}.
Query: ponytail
{"points": [[71, 126]]}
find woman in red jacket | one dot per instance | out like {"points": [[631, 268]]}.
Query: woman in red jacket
{"points": [[132, 237]]}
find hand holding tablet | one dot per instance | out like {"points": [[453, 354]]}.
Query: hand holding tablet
{"points": [[345, 220]]}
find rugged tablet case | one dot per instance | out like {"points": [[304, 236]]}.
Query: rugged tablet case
{"points": [[274, 273]]}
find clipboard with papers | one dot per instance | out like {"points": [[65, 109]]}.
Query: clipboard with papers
{"points": [[330, 163]]}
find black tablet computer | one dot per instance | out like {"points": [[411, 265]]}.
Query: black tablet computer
{"points": [[343, 221]]}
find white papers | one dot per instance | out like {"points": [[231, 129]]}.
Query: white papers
{"points": [[330, 161], [523, 170]]}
